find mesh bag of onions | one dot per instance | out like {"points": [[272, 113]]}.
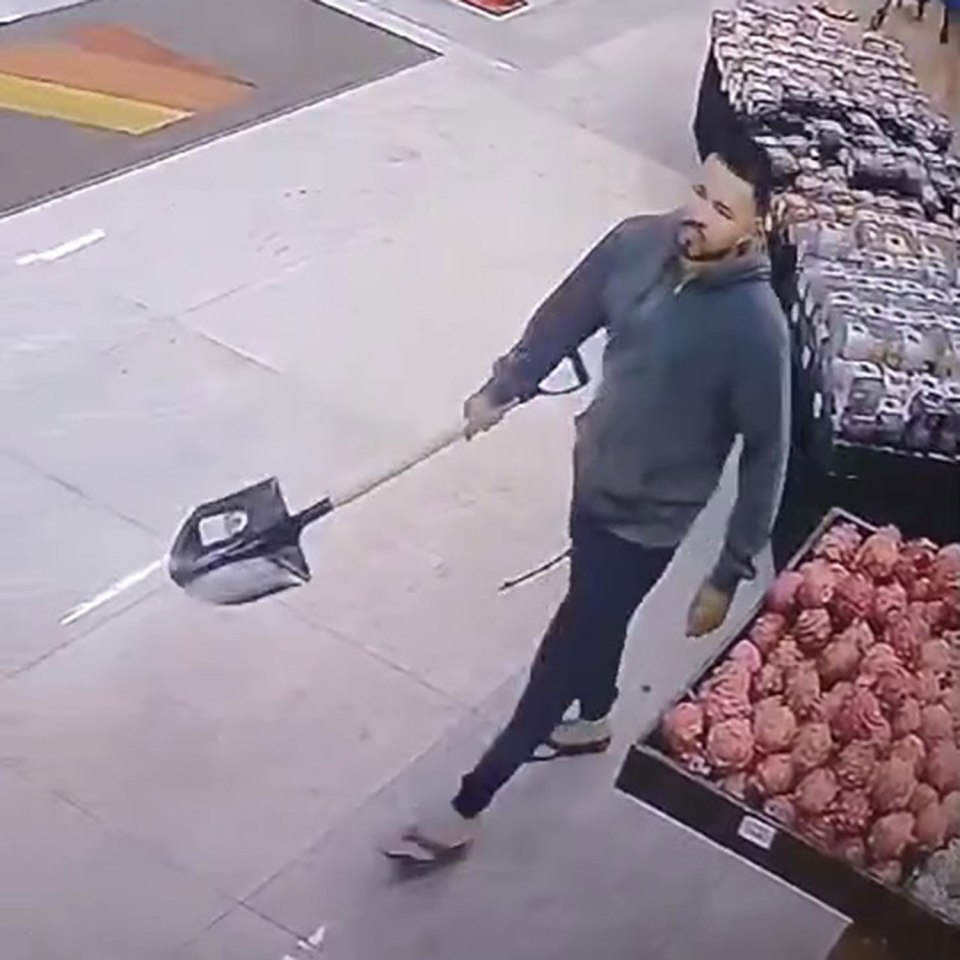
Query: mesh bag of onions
{"points": [[837, 713]]}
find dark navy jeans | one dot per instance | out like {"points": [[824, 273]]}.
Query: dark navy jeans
{"points": [[579, 656]]}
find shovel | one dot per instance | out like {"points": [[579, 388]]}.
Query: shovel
{"points": [[246, 546]]}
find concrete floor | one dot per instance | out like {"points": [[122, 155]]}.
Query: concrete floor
{"points": [[14, 10], [308, 298]]}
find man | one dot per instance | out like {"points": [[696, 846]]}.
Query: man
{"points": [[697, 354]]}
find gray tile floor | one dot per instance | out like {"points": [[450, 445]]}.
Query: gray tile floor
{"points": [[309, 298], [622, 883], [72, 887], [162, 714], [13, 10]]}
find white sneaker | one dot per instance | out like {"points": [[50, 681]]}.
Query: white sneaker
{"points": [[573, 738]]}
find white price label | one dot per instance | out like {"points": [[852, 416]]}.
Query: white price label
{"points": [[757, 832]]}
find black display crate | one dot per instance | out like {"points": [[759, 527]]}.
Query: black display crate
{"points": [[652, 778]]}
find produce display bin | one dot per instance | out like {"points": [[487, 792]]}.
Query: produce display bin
{"points": [[653, 779]]}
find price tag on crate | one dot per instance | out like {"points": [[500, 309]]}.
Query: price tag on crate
{"points": [[757, 832]]}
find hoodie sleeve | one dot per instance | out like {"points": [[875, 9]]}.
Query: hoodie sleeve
{"points": [[761, 410], [569, 316]]}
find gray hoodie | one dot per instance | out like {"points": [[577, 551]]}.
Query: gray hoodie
{"points": [[688, 367]]}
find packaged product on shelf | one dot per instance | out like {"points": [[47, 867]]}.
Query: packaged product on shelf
{"points": [[840, 113], [877, 327]]}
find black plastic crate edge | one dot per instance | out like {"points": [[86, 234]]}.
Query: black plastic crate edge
{"points": [[646, 754], [655, 781]]}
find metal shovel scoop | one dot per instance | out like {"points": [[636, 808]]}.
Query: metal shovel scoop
{"points": [[246, 546]]}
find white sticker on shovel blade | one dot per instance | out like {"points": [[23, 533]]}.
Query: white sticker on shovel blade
{"points": [[222, 527], [757, 832]]}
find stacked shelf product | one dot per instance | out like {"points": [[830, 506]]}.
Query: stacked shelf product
{"points": [[821, 743], [876, 323], [865, 228], [840, 112]]}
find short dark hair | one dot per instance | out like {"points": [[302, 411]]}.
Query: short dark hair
{"points": [[749, 161]]}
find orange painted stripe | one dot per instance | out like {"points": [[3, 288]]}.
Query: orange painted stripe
{"points": [[118, 41], [101, 73]]}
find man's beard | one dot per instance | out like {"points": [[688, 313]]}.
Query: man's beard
{"points": [[714, 256], [708, 257]]}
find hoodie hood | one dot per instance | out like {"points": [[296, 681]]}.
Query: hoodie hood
{"points": [[750, 268]]}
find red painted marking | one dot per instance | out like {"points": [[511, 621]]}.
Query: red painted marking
{"points": [[496, 8]]}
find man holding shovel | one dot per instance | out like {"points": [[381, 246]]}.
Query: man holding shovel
{"points": [[697, 355]]}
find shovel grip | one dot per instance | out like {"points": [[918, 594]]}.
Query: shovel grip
{"points": [[368, 484], [437, 445]]}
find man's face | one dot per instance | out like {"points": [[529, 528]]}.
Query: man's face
{"points": [[720, 213]]}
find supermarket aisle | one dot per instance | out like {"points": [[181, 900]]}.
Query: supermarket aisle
{"points": [[309, 297]]}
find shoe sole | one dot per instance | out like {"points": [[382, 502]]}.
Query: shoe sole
{"points": [[411, 850], [406, 851], [562, 751]]}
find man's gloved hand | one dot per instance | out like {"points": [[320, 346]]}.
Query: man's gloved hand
{"points": [[708, 611], [482, 413]]}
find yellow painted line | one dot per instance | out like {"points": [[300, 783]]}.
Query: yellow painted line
{"points": [[84, 107]]}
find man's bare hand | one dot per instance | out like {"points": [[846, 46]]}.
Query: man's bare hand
{"points": [[708, 611], [481, 414]]}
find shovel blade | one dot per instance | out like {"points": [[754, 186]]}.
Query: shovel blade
{"points": [[239, 549], [245, 581]]}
